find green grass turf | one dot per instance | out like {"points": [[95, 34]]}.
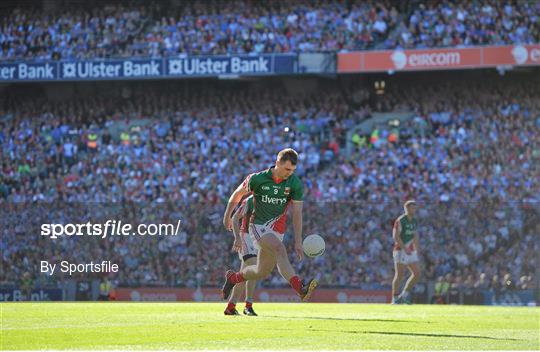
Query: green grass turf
{"points": [[309, 326]]}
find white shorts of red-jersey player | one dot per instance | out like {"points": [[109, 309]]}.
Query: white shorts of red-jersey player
{"points": [[248, 249], [402, 257]]}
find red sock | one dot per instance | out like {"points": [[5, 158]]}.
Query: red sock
{"points": [[231, 306], [249, 304], [296, 284], [236, 278]]}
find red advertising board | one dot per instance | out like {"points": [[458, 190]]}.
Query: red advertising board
{"points": [[438, 59], [512, 55], [261, 295], [350, 62]]}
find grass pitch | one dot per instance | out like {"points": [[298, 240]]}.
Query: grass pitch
{"points": [[312, 326]]}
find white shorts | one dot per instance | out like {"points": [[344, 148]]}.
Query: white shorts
{"points": [[257, 231], [401, 257], [248, 249]]}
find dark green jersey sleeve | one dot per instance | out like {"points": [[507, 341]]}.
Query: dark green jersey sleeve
{"points": [[251, 182]]}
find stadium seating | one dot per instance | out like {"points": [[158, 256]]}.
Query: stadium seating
{"points": [[250, 27], [161, 155]]}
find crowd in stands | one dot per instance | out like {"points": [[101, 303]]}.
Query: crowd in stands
{"points": [[154, 157], [466, 23], [161, 29]]}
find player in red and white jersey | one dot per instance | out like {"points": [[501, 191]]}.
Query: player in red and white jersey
{"points": [[243, 244]]}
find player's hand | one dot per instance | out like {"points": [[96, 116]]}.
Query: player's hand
{"points": [[237, 244], [299, 251], [227, 223]]}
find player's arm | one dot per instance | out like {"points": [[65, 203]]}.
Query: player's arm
{"points": [[237, 244], [297, 221], [415, 240], [235, 198], [396, 234], [297, 197]]}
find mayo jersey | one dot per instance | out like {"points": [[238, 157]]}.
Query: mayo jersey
{"points": [[271, 198], [407, 230]]}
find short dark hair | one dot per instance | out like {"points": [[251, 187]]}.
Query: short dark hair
{"points": [[288, 154]]}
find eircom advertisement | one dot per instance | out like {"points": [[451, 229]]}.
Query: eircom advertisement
{"points": [[439, 59]]}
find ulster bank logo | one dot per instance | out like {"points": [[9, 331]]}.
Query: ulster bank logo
{"points": [[70, 70]]}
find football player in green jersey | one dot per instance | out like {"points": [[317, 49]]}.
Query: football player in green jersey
{"points": [[405, 253], [274, 190]]}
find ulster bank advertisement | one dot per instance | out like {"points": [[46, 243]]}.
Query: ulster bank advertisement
{"points": [[182, 66]]}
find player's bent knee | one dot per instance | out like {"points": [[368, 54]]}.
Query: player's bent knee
{"points": [[270, 242], [415, 272], [281, 251], [267, 243], [250, 261]]}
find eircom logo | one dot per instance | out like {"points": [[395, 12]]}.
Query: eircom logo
{"points": [[399, 59], [520, 54], [425, 59]]}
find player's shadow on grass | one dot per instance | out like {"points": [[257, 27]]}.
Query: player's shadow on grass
{"points": [[414, 334], [349, 319]]}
